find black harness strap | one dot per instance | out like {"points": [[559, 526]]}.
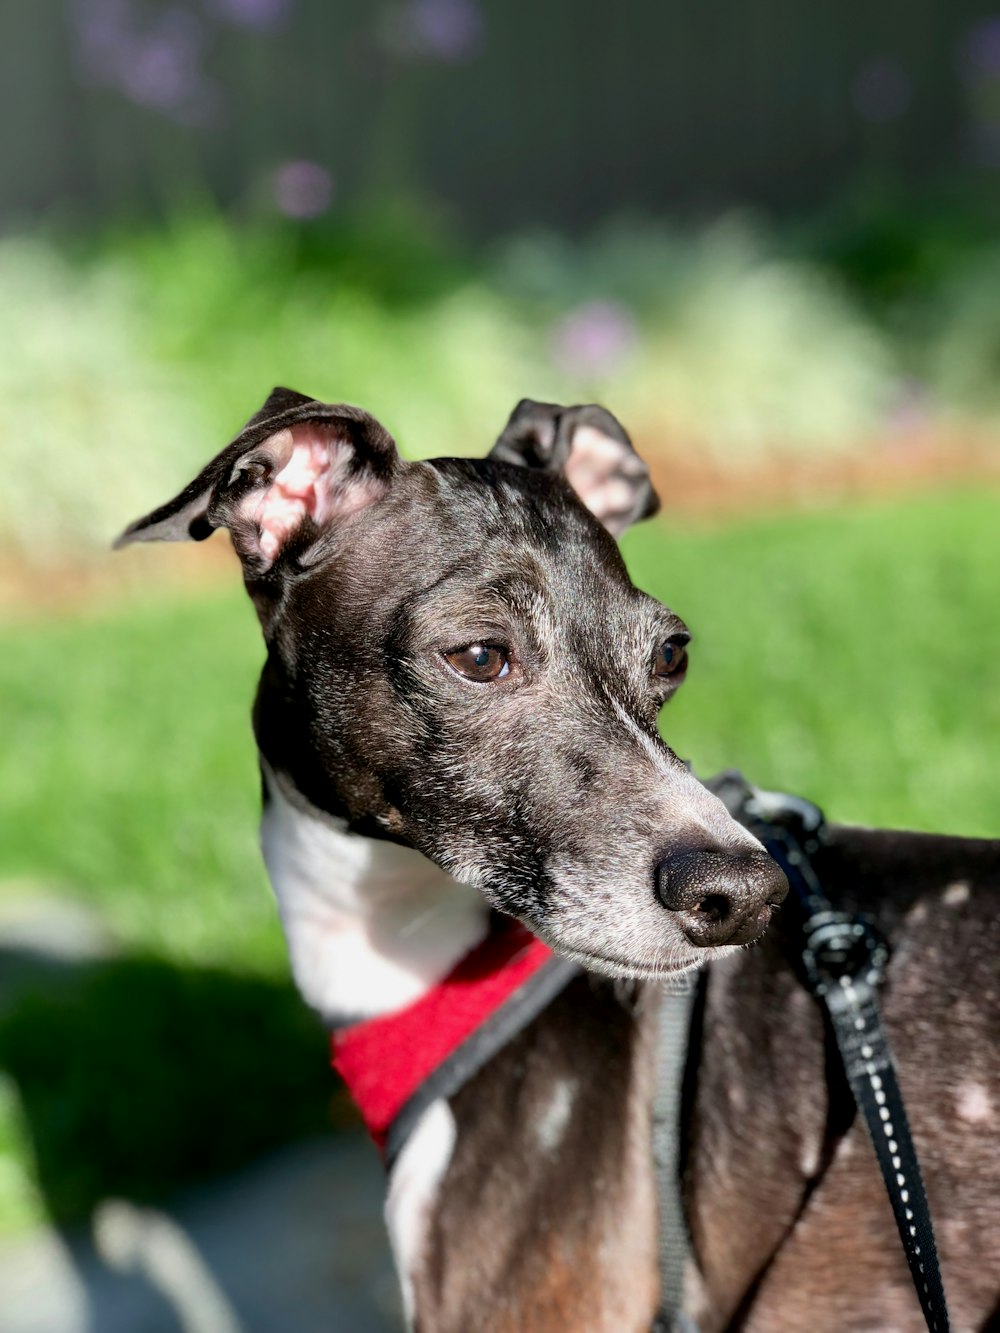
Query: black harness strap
{"points": [[844, 962]]}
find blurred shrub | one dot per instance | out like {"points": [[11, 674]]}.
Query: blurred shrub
{"points": [[89, 416], [123, 372], [891, 249], [126, 367], [239, 313], [736, 350], [964, 360]]}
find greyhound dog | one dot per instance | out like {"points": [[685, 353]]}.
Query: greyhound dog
{"points": [[457, 722]]}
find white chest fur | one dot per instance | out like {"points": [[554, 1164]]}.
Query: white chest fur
{"points": [[370, 925], [412, 1190]]}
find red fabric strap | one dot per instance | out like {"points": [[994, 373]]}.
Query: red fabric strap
{"points": [[384, 1060]]}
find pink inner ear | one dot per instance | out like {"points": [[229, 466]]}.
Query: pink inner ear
{"points": [[315, 481], [601, 471]]}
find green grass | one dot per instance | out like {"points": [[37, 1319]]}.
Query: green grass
{"points": [[128, 773], [845, 654]]}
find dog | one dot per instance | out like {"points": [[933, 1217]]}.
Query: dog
{"points": [[457, 718]]}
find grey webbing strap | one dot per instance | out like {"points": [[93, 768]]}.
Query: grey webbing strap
{"points": [[676, 1004]]}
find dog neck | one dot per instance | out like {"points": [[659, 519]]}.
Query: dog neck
{"points": [[371, 926]]}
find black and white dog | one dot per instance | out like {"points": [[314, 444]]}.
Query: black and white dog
{"points": [[458, 713]]}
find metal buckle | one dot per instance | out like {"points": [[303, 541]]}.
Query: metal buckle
{"points": [[780, 808], [840, 946]]}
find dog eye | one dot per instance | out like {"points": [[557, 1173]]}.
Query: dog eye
{"points": [[479, 661], [671, 657]]}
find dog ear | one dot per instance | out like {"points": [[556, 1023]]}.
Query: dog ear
{"points": [[589, 446], [295, 468]]}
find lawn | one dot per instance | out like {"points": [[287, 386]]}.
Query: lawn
{"points": [[846, 654]]}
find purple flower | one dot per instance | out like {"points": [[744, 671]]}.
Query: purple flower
{"points": [[449, 30], [979, 54], [101, 34], [909, 410], [882, 90], [264, 15], [164, 66], [157, 63], [979, 65], [593, 340], [302, 189]]}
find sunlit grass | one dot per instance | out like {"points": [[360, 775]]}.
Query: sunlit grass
{"points": [[845, 654], [128, 773]]}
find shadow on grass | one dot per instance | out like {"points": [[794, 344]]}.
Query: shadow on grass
{"points": [[138, 1077]]}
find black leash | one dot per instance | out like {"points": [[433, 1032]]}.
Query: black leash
{"points": [[844, 962]]}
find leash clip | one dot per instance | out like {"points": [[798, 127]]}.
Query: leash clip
{"points": [[840, 949]]}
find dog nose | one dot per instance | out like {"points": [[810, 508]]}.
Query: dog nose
{"points": [[720, 898]]}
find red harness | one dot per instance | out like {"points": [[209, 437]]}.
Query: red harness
{"points": [[440, 1040]]}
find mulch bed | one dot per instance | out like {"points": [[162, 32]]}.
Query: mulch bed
{"points": [[704, 486], [691, 482]]}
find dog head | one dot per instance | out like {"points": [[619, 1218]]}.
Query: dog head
{"points": [[458, 661]]}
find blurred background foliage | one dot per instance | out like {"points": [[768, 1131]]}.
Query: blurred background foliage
{"points": [[735, 342], [765, 235], [780, 241]]}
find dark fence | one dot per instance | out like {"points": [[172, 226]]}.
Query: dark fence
{"points": [[509, 111]]}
